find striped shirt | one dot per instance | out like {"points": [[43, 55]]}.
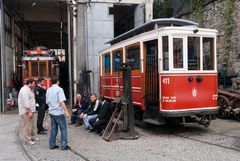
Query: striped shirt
{"points": [[54, 96]]}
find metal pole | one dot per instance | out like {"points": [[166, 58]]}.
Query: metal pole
{"points": [[127, 93], [3, 60], [70, 58]]}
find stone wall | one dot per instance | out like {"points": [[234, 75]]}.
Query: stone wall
{"points": [[213, 19]]}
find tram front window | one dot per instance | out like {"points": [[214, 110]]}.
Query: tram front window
{"points": [[26, 70], [208, 53], [34, 66], [42, 69], [193, 53], [177, 52], [165, 53]]}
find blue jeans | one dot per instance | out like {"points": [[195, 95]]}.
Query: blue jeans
{"points": [[86, 121], [55, 122]]}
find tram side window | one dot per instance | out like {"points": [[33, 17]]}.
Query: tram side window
{"points": [[42, 69], [177, 52], [193, 53], [133, 56], [107, 64], [117, 60], [165, 53], [208, 54], [34, 66]]}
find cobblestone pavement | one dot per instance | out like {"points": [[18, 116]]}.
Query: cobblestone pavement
{"points": [[220, 142]]}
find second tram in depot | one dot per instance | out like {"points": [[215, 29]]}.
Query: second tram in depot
{"points": [[39, 62], [174, 71]]}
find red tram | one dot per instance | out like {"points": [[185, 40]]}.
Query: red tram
{"points": [[174, 73], [39, 62]]}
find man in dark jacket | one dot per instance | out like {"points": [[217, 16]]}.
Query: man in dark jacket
{"points": [[78, 108], [91, 111], [40, 96], [104, 114]]}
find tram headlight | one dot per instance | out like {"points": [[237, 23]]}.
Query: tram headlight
{"points": [[195, 31]]}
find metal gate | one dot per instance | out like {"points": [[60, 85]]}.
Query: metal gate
{"points": [[151, 75]]}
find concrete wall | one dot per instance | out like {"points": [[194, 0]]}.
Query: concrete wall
{"points": [[139, 15], [99, 30], [9, 63]]}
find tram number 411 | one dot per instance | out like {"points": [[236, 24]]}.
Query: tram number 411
{"points": [[166, 81]]}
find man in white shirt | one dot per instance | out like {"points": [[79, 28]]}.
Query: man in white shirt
{"points": [[27, 106]]}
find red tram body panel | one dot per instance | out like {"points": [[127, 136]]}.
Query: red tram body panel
{"points": [[174, 70], [178, 93]]}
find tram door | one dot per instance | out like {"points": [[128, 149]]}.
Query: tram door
{"points": [[151, 74]]}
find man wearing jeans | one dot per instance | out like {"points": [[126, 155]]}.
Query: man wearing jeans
{"points": [[91, 111], [55, 98], [26, 106]]}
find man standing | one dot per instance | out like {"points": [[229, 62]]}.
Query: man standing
{"points": [[26, 106], [40, 96], [55, 98]]}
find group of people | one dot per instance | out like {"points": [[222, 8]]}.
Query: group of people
{"points": [[94, 112], [32, 96]]}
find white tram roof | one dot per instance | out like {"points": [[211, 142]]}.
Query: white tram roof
{"points": [[153, 24]]}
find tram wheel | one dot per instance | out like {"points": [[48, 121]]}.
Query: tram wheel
{"points": [[223, 103], [236, 109]]}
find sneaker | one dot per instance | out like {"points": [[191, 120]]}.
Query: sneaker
{"points": [[30, 142], [35, 139], [66, 148]]}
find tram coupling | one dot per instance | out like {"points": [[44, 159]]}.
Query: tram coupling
{"points": [[203, 121]]}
